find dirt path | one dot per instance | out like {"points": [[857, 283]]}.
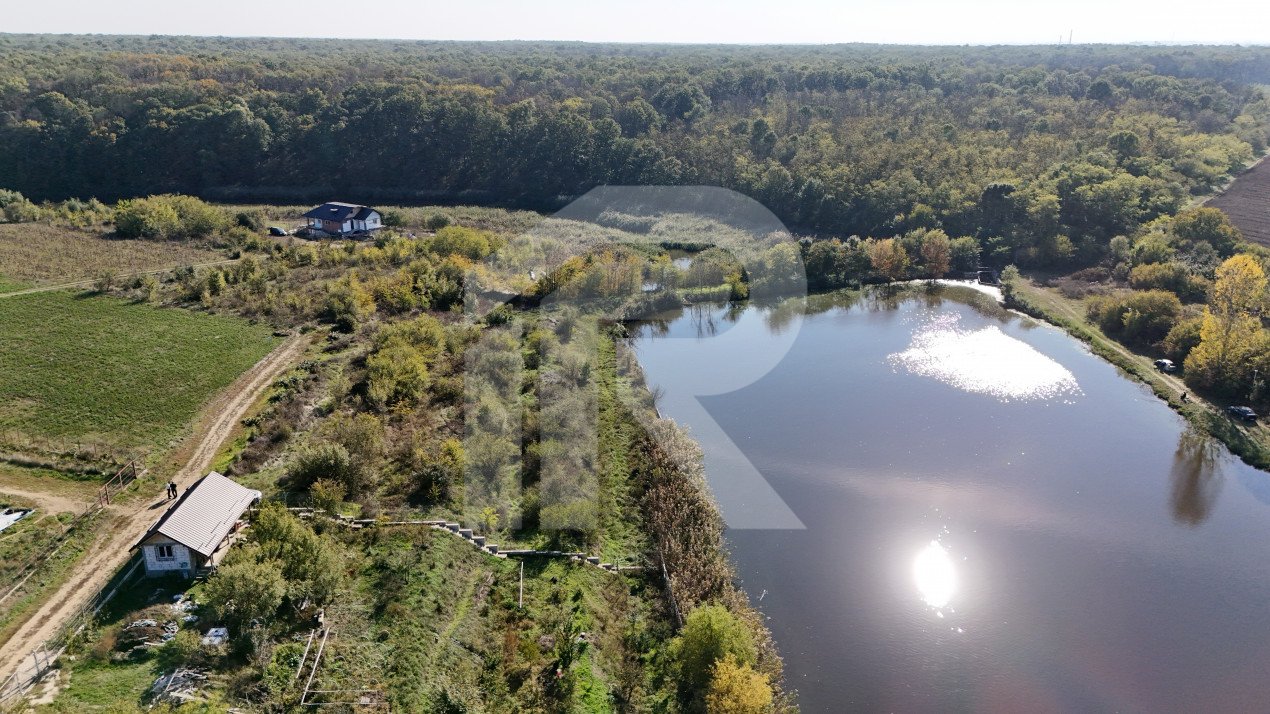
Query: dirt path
{"points": [[51, 503], [132, 519], [1071, 313], [88, 282]]}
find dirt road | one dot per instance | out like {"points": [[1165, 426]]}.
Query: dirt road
{"points": [[89, 282], [51, 503], [130, 521]]}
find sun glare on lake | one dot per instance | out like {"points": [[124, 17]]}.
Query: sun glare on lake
{"points": [[935, 575], [985, 361]]}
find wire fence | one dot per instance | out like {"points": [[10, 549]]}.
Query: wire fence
{"points": [[43, 658], [121, 480], [65, 453]]}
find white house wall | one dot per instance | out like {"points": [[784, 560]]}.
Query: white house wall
{"points": [[182, 558]]}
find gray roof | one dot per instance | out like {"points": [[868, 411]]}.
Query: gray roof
{"points": [[336, 211], [205, 513]]}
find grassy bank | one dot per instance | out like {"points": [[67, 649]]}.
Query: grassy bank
{"points": [[1251, 443]]}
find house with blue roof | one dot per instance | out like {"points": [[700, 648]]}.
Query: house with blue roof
{"points": [[343, 219]]}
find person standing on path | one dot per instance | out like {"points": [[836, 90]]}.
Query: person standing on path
{"points": [[171, 490]]}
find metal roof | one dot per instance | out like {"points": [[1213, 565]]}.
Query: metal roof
{"points": [[336, 211], [205, 513]]}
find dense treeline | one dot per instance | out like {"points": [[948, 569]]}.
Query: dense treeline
{"points": [[1048, 151]]}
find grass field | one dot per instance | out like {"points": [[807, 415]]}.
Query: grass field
{"points": [[33, 254], [113, 372], [8, 286]]}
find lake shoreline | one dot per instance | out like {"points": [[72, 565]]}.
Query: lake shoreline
{"points": [[1042, 304]]}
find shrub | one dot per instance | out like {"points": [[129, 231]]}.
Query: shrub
{"points": [[253, 219], [435, 222], [711, 634], [394, 219], [349, 303], [142, 218], [626, 222], [396, 374], [1171, 276], [327, 495], [1144, 317], [245, 590], [320, 461], [1182, 339], [467, 242], [183, 650], [169, 216], [16, 208], [737, 689]]}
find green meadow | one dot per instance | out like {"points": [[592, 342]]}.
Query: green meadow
{"points": [[126, 375]]}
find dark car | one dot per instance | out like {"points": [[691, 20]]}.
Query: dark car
{"points": [[1165, 365], [1242, 413], [276, 231]]}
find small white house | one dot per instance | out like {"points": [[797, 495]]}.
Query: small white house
{"points": [[342, 219], [196, 531]]}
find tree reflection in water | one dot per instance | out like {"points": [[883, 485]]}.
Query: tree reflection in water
{"points": [[1196, 477]]}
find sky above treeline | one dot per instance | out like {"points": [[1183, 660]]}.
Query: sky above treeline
{"points": [[951, 22]]}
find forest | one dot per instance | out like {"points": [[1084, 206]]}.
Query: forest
{"points": [[1047, 152]]}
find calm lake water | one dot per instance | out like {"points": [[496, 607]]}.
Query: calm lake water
{"points": [[995, 520]]}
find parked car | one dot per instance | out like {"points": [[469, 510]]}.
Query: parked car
{"points": [[1165, 365], [1242, 413], [276, 231]]}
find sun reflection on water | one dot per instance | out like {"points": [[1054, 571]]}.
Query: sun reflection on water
{"points": [[986, 361], [935, 575]]}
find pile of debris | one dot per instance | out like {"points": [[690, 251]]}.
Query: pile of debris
{"points": [[146, 632], [157, 625], [179, 686], [183, 607]]}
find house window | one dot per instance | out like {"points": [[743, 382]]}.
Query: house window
{"points": [[164, 552]]}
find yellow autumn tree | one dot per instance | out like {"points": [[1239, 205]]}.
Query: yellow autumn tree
{"points": [[936, 251], [888, 257], [1230, 334], [735, 688]]}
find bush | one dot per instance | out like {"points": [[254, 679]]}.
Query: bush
{"points": [[435, 222], [1182, 339], [396, 374], [394, 219], [1143, 317], [467, 242], [16, 208], [169, 216], [626, 222], [320, 461], [253, 219], [349, 303], [183, 650], [711, 634], [737, 689], [1174, 277], [142, 218], [327, 495], [245, 590]]}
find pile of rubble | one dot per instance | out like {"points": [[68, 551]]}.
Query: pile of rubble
{"points": [[179, 686], [158, 625]]}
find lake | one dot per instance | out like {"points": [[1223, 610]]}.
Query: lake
{"points": [[992, 518]]}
